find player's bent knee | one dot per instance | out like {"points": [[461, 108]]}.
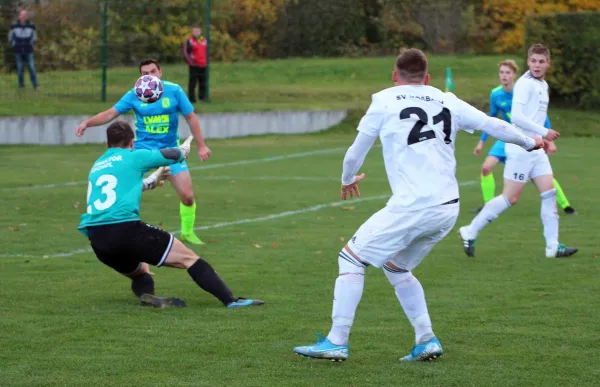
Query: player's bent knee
{"points": [[511, 196], [189, 260], [549, 194], [185, 261], [180, 256], [486, 170], [142, 269], [512, 200], [349, 265], [399, 278], [187, 200]]}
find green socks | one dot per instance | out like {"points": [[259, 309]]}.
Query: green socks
{"points": [[488, 187], [561, 199], [188, 218]]}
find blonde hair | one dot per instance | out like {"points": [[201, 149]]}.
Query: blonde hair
{"points": [[511, 64]]}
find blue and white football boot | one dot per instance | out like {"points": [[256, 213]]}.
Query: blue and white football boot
{"points": [[324, 349], [430, 350]]}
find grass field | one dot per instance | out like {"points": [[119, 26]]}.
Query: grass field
{"points": [[291, 84], [306, 83], [510, 317]]}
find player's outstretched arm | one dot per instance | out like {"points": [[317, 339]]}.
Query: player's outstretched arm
{"points": [[355, 156], [472, 119], [204, 151], [504, 131], [99, 119], [522, 121]]}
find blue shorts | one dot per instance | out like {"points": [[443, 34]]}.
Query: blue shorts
{"points": [[178, 168], [175, 168], [497, 151]]}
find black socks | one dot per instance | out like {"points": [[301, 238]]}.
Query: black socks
{"points": [[142, 284], [206, 277]]}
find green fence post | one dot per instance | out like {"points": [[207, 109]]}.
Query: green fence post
{"points": [[104, 48], [207, 28]]}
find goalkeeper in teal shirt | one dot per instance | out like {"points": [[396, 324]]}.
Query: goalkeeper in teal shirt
{"points": [[121, 240], [157, 127], [501, 103]]}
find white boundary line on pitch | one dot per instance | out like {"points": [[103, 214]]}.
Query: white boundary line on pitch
{"points": [[235, 222], [283, 178], [220, 225], [199, 167]]}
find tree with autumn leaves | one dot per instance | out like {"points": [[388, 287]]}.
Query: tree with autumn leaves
{"points": [[505, 19], [70, 31]]}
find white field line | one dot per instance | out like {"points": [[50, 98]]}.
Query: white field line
{"points": [[235, 222], [199, 167]]}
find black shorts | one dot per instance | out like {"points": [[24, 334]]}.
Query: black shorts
{"points": [[123, 246]]}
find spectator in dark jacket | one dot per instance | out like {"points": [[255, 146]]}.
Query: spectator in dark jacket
{"points": [[22, 37], [194, 51]]}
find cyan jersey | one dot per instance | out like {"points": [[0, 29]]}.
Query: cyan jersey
{"points": [[115, 185], [156, 124], [501, 102]]}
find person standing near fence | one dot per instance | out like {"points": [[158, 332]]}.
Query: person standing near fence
{"points": [[22, 37], [194, 51]]}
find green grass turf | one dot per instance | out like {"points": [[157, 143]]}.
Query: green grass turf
{"points": [[290, 84], [510, 317], [304, 83]]}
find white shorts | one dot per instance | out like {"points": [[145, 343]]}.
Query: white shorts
{"points": [[403, 238], [522, 166]]}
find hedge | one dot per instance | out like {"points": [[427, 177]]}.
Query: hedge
{"points": [[574, 43]]}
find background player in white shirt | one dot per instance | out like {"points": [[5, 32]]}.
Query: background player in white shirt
{"points": [[417, 125], [529, 110]]}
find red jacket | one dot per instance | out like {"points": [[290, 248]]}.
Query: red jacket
{"points": [[195, 51]]}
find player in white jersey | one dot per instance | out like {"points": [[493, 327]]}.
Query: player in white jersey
{"points": [[417, 125], [529, 110]]}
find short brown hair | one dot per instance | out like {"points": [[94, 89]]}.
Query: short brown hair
{"points": [[146, 62], [539, 49], [119, 134], [411, 65], [511, 64]]}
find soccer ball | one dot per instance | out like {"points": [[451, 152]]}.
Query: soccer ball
{"points": [[148, 88]]}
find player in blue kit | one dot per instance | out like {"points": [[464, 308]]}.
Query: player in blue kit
{"points": [[501, 103], [156, 127]]}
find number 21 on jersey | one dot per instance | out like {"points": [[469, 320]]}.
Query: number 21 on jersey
{"points": [[107, 183], [416, 135]]}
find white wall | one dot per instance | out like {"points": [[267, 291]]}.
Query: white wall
{"points": [[60, 130]]}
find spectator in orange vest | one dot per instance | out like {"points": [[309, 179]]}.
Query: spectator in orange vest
{"points": [[194, 51]]}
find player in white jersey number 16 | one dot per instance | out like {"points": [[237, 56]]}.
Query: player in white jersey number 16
{"points": [[529, 111]]}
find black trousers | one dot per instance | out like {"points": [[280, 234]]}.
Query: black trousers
{"points": [[197, 76]]}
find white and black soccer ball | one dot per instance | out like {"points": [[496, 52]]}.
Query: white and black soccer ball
{"points": [[148, 88]]}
